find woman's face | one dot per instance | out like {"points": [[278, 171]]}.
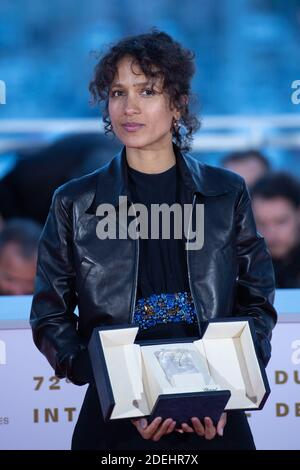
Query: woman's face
{"points": [[139, 110]]}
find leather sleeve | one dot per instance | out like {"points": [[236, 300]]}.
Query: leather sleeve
{"points": [[52, 318], [256, 281]]}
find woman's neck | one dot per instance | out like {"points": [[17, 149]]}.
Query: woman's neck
{"points": [[151, 161]]}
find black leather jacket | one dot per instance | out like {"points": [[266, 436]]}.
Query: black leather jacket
{"points": [[231, 275]]}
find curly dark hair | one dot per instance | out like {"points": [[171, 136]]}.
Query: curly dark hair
{"points": [[158, 56]]}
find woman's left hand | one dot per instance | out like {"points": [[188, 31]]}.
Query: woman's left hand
{"points": [[208, 430]]}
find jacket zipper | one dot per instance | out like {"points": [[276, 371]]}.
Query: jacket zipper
{"points": [[188, 265], [188, 269], [137, 254]]}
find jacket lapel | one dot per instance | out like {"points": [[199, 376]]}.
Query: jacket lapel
{"points": [[112, 181]]}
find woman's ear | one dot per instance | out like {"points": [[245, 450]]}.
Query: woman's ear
{"points": [[177, 115], [184, 99]]}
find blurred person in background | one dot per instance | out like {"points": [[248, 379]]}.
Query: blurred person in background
{"points": [[18, 256], [276, 206], [1, 222], [250, 164], [41, 172]]}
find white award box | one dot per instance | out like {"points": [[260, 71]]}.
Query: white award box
{"points": [[178, 378]]}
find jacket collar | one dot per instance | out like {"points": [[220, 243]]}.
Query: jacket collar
{"points": [[113, 179]]}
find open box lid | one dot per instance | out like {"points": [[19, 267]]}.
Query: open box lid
{"points": [[113, 339], [232, 352]]}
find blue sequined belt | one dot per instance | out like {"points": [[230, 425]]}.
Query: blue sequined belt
{"points": [[164, 308]]}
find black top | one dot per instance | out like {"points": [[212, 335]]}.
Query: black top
{"points": [[162, 262]]}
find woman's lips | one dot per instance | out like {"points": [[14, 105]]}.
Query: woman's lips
{"points": [[132, 127]]}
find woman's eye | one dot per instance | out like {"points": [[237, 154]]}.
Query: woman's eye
{"points": [[145, 92], [148, 92], [116, 93]]}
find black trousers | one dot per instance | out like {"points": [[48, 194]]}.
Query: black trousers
{"points": [[92, 433]]}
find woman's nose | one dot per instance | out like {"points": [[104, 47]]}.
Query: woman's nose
{"points": [[131, 105]]}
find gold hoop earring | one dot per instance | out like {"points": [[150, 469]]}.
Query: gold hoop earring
{"points": [[176, 125]]}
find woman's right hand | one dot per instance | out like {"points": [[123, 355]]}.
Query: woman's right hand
{"points": [[156, 429]]}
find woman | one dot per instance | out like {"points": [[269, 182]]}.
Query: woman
{"points": [[156, 283]]}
